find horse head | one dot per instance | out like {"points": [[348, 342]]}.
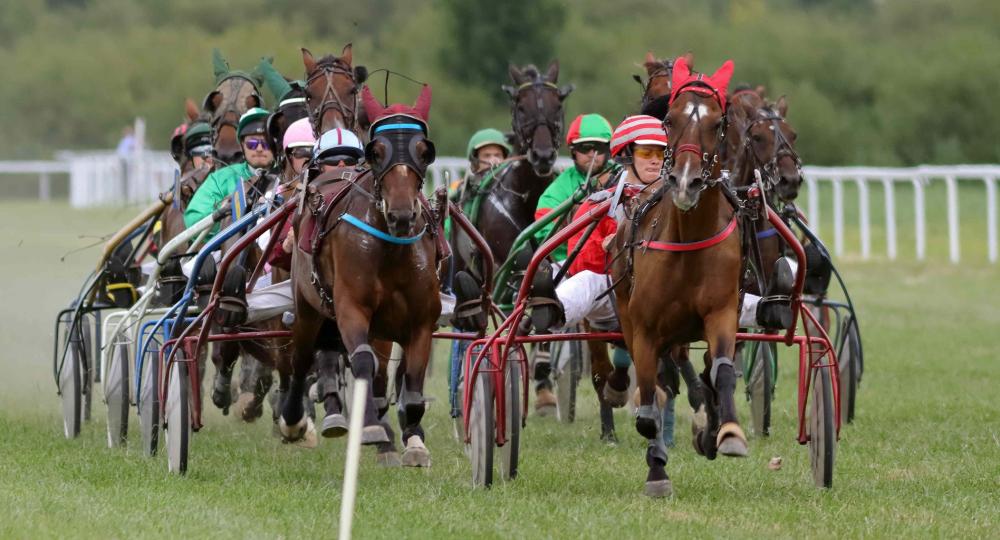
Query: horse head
{"points": [[696, 126], [332, 90], [234, 94], [656, 88], [769, 145], [399, 153], [537, 110]]}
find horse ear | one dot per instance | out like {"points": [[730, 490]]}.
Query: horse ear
{"points": [[782, 106], [372, 107], [638, 79], [423, 104], [552, 72], [308, 60], [680, 73], [722, 76], [219, 65], [360, 74], [515, 74], [650, 59], [511, 91], [689, 58], [565, 90], [190, 110], [347, 55]]}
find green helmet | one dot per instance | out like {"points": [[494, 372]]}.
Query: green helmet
{"points": [[198, 139], [588, 128], [486, 137], [252, 121]]}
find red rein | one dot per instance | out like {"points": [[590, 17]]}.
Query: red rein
{"points": [[692, 246]]}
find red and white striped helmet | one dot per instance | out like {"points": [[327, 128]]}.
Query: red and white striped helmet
{"points": [[638, 129]]}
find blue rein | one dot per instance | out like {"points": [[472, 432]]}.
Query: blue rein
{"points": [[766, 234], [405, 241]]}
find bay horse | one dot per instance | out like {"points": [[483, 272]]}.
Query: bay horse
{"points": [[369, 272], [235, 93], [332, 85], [679, 282]]}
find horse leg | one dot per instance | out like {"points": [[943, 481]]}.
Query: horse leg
{"points": [[696, 393], [411, 398], [720, 335], [600, 370], [354, 326], [293, 423], [224, 355], [648, 419], [257, 380], [386, 453], [328, 386]]}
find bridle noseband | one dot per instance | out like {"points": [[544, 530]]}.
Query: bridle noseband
{"points": [[330, 97]]}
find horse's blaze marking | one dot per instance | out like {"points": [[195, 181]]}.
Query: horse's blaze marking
{"points": [[692, 106]]}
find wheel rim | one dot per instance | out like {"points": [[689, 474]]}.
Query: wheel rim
{"points": [[178, 419], [69, 389], [86, 366], [116, 396], [822, 432], [510, 451], [149, 402], [481, 430], [759, 389]]}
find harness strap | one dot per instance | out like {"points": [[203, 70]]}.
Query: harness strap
{"points": [[718, 238], [767, 234], [405, 241]]}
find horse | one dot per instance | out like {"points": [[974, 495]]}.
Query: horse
{"points": [[679, 279], [371, 273], [332, 86], [235, 93]]}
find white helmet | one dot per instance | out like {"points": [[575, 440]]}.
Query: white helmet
{"points": [[338, 142]]}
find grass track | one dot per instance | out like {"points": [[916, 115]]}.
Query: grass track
{"points": [[922, 459]]}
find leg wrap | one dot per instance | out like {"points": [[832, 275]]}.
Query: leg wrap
{"points": [[621, 358], [647, 421], [656, 452], [716, 364], [411, 407], [363, 362], [695, 396]]}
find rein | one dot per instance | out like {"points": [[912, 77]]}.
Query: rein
{"points": [[679, 247]]}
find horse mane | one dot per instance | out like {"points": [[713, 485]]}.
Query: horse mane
{"points": [[331, 60], [531, 71]]}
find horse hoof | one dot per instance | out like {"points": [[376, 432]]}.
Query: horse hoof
{"points": [[609, 437], [374, 434], [388, 459], [221, 399], [416, 454], [731, 441], [334, 425], [659, 489], [615, 398], [699, 420], [243, 402], [302, 434]]}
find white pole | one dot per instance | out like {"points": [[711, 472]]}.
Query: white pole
{"points": [[838, 216], [991, 217], [813, 204], [918, 217], [353, 458], [863, 218], [953, 244], [890, 217]]}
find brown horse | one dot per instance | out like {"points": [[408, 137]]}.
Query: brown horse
{"points": [[235, 93], [679, 282], [371, 269], [332, 86]]}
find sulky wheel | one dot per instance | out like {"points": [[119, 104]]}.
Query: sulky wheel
{"points": [[482, 431], [849, 361], [116, 394], [178, 416], [568, 356], [149, 401], [70, 388], [822, 430], [510, 451], [760, 386], [87, 361]]}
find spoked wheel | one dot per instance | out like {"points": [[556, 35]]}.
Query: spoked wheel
{"points": [[510, 451], [822, 430], [482, 431], [760, 386], [569, 358], [178, 416], [116, 394], [149, 401], [87, 357], [70, 389], [849, 361]]}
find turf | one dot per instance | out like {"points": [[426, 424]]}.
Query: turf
{"points": [[920, 460]]}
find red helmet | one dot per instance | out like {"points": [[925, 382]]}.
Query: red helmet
{"points": [[638, 129]]}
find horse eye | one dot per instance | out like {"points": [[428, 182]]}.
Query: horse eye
{"points": [[757, 138], [793, 136]]}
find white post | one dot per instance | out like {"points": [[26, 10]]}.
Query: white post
{"points": [[953, 244], [44, 187], [863, 218], [813, 204], [991, 218], [353, 458], [890, 218], [838, 216], [918, 217]]}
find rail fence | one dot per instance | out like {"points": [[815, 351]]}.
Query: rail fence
{"points": [[103, 178]]}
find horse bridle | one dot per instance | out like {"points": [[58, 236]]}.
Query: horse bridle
{"points": [[331, 98], [525, 130], [665, 69], [708, 162], [782, 146], [219, 119]]}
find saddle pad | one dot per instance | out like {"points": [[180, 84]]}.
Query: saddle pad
{"points": [[320, 193]]}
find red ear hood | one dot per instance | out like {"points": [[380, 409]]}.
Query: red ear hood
{"points": [[718, 81], [420, 110], [423, 104], [373, 108]]}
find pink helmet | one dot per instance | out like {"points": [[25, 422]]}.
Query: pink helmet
{"points": [[639, 129], [300, 133]]}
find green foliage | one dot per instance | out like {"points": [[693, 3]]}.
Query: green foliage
{"points": [[881, 83]]}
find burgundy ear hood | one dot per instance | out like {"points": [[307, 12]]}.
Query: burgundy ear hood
{"points": [[420, 110], [681, 80]]}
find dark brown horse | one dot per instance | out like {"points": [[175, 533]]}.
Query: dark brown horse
{"points": [[235, 93], [679, 280], [372, 269]]}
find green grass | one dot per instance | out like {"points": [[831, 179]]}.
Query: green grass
{"points": [[920, 460]]}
